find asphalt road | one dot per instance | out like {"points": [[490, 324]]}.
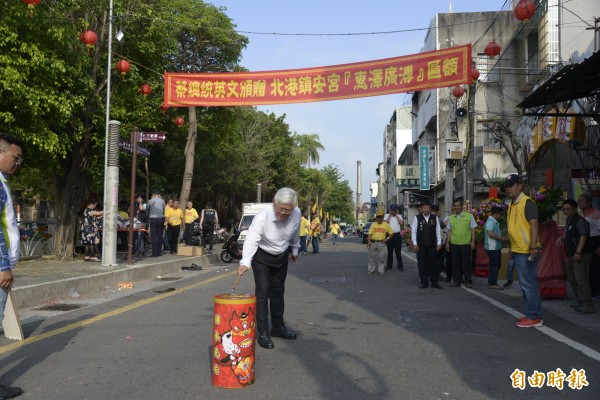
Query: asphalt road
{"points": [[359, 337]]}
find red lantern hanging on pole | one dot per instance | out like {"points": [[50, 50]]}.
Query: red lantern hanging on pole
{"points": [[90, 39], [458, 91], [179, 121], [145, 89], [492, 49], [123, 67], [524, 10], [474, 74], [31, 5]]}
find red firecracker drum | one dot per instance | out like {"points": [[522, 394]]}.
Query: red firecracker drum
{"points": [[234, 331]]}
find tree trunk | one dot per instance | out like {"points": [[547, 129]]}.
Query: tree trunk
{"points": [[71, 191], [190, 153]]}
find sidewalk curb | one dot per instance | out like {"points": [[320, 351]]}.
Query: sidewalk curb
{"points": [[42, 293]]}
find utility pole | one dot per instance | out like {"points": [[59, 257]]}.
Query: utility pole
{"points": [[469, 171]]}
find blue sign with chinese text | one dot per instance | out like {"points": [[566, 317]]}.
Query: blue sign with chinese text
{"points": [[424, 164]]}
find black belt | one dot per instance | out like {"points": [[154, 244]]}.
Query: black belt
{"points": [[376, 241]]}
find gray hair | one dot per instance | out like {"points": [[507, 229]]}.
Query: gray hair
{"points": [[286, 196], [587, 196]]}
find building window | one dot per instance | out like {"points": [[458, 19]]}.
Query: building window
{"points": [[486, 65]]}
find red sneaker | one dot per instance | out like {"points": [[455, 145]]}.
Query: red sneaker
{"points": [[529, 323]]}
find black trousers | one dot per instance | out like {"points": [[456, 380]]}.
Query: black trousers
{"points": [[270, 272], [461, 262], [189, 232], [173, 236], [394, 245], [208, 235], [428, 266], [157, 229]]}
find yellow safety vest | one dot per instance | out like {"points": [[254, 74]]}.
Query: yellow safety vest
{"points": [[519, 228]]}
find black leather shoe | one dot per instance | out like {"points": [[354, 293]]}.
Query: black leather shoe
{"points": [[265, 341], [436, 285], [283, 333], [423, 286], [10, 392]]}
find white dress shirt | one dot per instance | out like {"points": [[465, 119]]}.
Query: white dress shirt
{"points": [[271, 235], [394, 221]]}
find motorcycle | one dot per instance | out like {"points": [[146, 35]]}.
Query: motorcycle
{"points": [[231, 250]]}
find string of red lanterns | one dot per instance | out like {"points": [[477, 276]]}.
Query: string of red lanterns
{"points": [[179, 121]]}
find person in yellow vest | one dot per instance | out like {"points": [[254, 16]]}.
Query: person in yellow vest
{"points": [[174, 226], [524, 249], [461, 243], [335, 231], [315, 229], [304, 227], [379, 233], [191, 216]]}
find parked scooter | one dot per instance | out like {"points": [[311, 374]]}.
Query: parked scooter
{"points": [[231, 250]]}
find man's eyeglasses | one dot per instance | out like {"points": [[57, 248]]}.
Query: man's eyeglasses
{"points": [[282, 210], [19, 159], [567, 208]]}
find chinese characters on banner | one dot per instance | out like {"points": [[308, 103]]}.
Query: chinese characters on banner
{"points": [[424, 164], [428, 70]]}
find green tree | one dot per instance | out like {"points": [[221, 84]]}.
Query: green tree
{"points": [[53, 92], [308, 146]]}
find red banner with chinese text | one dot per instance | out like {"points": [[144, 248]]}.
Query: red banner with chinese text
{"points": [[428, 70]]}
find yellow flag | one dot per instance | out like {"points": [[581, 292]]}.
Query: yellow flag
{"points": [[321, 213], [314, 207]]}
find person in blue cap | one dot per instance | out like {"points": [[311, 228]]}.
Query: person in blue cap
{"points": [[394, 244]]}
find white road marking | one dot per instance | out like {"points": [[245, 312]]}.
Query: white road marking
{"points": [[559, 337]]}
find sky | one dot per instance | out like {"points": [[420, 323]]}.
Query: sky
{"points": [[350, 130]]}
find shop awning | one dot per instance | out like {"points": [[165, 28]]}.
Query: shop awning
{"points": [[572, 82]]}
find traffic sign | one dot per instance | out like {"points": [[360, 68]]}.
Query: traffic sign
{"points": [[126, 146], [152, 137]]}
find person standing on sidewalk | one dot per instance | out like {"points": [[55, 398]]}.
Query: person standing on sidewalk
{"points": [[524, 249], [209, 219], [174, 226], [394, 244], [579, 251], [493, 246], [379, 233], [461, 243], [273, 239], [427, 239], [304, 226], [11, 157], [592, 215], [191, 216], [156, 213]]}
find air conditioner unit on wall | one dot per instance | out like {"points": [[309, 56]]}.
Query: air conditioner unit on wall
{"points": [[453, 150]]}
